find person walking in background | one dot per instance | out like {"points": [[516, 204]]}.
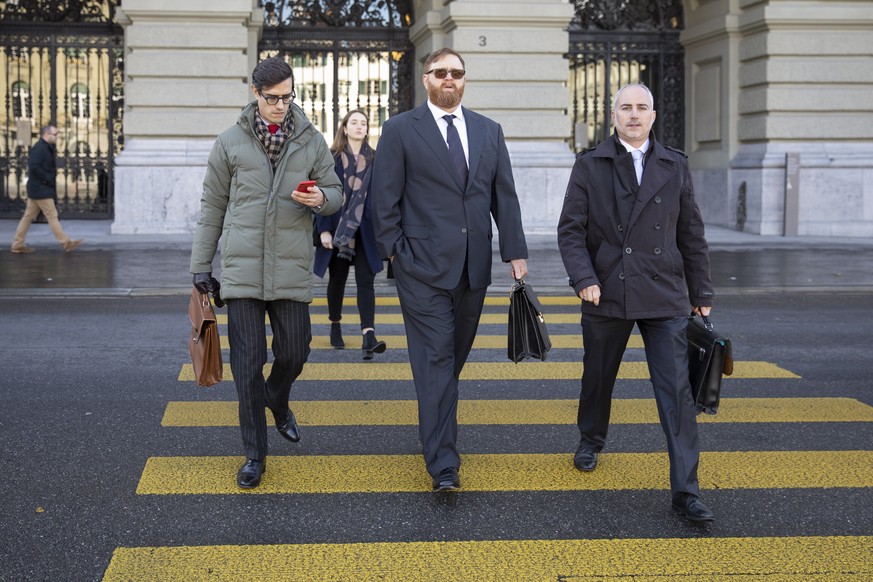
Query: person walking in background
{"points": [[632, 241], [251, 201], [42, 170], [346, 237], [441, 174]]}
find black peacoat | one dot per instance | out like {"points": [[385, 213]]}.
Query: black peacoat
{"points": [[650, 260], [42, 170]]}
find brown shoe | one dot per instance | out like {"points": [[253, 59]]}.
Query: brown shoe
{"points": [[24, 250], [71, 245]]}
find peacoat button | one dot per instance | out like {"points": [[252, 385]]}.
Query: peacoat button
{"points": [[656, 277], [657, 199], [620, 228], [657, 227], [628, 250], [464, 230], [621, 276], [657, 251]]}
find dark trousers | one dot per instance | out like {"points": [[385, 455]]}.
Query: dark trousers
{"points": [[292, 332], [440, 328], [604, 340], [336, 286]]}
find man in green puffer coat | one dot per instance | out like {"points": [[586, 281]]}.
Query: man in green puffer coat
{"points": [[252, 203]]}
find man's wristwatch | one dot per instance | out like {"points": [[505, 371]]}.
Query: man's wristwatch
{"points": [[323, 200]]}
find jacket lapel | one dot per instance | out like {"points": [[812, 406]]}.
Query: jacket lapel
{"points": [[426, 126], [475, 140], [657, 172]]}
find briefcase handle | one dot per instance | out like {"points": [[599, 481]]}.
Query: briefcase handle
{"points": [[706, 323]]}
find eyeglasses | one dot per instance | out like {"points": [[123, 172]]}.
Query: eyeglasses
{"points": [[441, 73], [273, 99]]}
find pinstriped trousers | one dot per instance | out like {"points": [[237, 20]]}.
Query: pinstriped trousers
{"points": [[247, 336]]}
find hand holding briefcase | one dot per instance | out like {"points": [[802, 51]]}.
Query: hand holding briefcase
{"points": [[203, 342], [709, 356]]}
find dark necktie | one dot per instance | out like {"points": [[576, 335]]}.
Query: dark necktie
{"points": [[456, 150], [273, 127]]}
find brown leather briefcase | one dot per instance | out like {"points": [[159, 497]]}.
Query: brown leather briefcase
{"points": [[203, 341]]}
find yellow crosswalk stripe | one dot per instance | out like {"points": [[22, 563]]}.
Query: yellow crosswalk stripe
{"points": [[397, 318], [508, 472], [482, 342], [798, 559], [624, 411], [491, 371], [490, 300]]}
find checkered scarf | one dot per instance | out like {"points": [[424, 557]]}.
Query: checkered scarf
{"points": [[273, 142]]}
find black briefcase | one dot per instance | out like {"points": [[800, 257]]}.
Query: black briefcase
{"points": [[527, 334], [709, 357]]}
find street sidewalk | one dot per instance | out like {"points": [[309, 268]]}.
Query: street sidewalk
{"points": [[139, 265]]}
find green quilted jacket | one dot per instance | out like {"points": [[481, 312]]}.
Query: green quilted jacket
{"points": [[266, 237]]}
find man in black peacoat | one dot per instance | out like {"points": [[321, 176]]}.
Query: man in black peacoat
{"points": [[635, 252]]}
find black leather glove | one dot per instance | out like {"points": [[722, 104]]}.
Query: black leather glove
{"points": [[206, 283]]}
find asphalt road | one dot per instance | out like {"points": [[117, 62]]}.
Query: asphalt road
{"points": [[86, 383]]}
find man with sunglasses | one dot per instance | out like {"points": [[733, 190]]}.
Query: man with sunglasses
{"points": [[251, 202], [441, 173]]}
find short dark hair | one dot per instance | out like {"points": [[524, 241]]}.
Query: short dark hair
{"points": [[45, 129], [440, 53], [271, 72]]}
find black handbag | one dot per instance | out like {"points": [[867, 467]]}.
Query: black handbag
{"points": [[528, 336], [709, 357]]}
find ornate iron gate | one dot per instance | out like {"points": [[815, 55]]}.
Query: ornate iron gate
{"points": [[615, 42], [61, 65], [346, 54]]}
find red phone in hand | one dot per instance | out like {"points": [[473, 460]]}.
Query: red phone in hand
{"points": [[305, 186]]}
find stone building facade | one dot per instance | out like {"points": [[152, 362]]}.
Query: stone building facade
{"points": [[776, 92]]}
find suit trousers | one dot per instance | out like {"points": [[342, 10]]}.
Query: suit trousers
{"points": [[440, 326], [247, 336], [604, 340], [31, 211]]}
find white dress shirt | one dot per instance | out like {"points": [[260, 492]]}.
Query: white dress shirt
{"points": [[459, 123]]}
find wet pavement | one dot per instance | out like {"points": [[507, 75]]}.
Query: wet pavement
{"points": [[143, 265]]}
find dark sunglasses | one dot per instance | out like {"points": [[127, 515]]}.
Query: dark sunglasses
{"points": [[273, 99], [441, 73]]}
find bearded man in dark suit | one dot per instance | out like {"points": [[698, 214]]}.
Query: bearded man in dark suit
{"points": [[441, 173]]}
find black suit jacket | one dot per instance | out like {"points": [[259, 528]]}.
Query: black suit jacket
{"points": [[42, 171], [427, 219], [648, 265]]}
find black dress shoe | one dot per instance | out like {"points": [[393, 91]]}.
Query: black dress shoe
{"points": [[692, 508], [447, 480], [371, 345], [336, 336], [585, 459], [249, 475], [287, 427]]}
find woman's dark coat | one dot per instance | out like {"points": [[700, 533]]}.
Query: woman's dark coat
{"points": [[329, 223]]}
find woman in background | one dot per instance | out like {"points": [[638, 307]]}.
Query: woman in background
{"points": [[347, 237]]}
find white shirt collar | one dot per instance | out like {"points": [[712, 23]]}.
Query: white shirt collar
{"points": [[643, 148], [439, 113]]}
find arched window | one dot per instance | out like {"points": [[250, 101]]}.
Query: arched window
{"points": [[22, 105], [80, 104]]}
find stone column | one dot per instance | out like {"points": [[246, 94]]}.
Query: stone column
{"points": [[517, 75], [795, 80], [186, 79]]}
